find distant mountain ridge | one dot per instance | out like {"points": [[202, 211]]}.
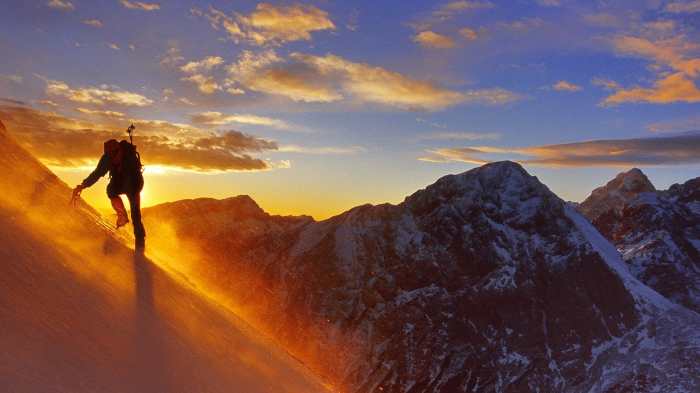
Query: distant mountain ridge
{"points": [[618, 192], [657, 232], [484, 281]]}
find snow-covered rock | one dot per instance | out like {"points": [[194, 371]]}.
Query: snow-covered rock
{"points": [[482, 282], [616, 194], [658, 235]]}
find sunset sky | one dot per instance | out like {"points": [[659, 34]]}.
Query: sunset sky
{"points": [[316, 107]]}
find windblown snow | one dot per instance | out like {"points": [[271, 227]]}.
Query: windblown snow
{"points": [[80, 312]]}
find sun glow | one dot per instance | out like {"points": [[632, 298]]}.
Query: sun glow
{"points": [[157, 169]]}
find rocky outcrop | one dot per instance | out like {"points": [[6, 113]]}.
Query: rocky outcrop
{"points": [[610, 199], [658, 234]]}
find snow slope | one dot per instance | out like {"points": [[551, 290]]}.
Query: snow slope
{"points": [[80, 312]]}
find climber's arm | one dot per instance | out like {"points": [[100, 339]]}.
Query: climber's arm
{"points": [[101, 170]]}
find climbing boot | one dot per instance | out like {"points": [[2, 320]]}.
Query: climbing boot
{"points": [[118, 205]]}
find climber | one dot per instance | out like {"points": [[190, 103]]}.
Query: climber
{"points": [[123, 163]]}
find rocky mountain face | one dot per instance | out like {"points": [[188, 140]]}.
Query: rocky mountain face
{"points": [[482, 282], [612, 198], [657, 232]]}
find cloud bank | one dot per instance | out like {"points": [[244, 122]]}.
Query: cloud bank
{"points": [[680, 149], [269, 24], [330, 78], [99, 95], [674, 61], [68, 142]]}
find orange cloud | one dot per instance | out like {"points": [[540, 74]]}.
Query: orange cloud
{"points": [[250, 63], [468, 34], [566, 86], [172, 57], [297, 83], [323, 150], [667, 54], [101, 113], [673, 88], [68, 142], [206, 64], [205, 84], [605, 83], [331, 78], [268, 73], [137, 5], [48, 103], [93, 22], [96, 95], [63, 5], [447, 11], [471, 136], [270, 24], [430, 39], [218, 119], [455, 7], [378, 85], [680, 149]]}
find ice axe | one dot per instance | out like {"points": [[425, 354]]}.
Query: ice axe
{"points": [[130, 131]]}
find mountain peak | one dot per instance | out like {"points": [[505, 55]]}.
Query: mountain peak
{"points": [[499, 171], [616, 194], [634, 181], [504, 188], [688, 191], [498, 176], [241, 206]]}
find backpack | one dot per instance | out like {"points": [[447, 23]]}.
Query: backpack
{"points": [[126, 164], [128, 160]]}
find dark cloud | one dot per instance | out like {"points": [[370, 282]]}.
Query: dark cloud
{"points": [[679, 149], [62, 141]]}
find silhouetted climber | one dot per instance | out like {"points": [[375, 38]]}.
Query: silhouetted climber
{"points": [[123, 163]]}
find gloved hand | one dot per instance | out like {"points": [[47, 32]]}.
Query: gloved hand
{"points": [[76, 193]]}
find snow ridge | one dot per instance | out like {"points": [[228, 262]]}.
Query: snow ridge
{"points": [[613, 259]]}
